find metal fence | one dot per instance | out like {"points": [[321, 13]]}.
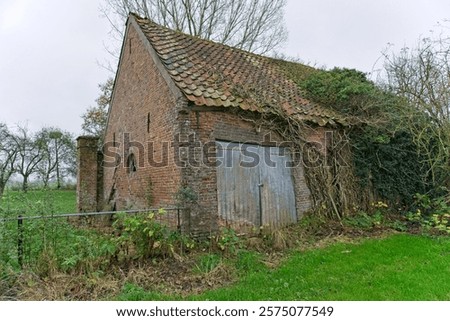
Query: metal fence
{"points": [[69, 238]]}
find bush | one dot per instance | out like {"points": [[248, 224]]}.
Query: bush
{"points": [[228, 241], [143, 236], [431, 213]]}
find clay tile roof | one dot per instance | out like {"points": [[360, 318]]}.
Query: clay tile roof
{"points": [[213, 74]]}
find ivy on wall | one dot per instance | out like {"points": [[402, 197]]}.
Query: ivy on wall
{"points": [[384, 154]]}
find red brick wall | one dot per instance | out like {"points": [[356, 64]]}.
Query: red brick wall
{"points": [[140, 95], [216, 125], [140, 90], [87, 179]]}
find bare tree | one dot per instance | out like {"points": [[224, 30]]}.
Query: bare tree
{"points": [[253, 25], [422, 76], [58, 148], [29, 154], [94, 119], [8, 153]]}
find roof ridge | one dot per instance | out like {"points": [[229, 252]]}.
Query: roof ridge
{"points": [[210, 73], [198, 38]]}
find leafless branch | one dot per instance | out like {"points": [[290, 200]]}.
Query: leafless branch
{"points": [[253, 25], [422, 76]]}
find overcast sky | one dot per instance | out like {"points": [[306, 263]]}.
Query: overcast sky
{"points": [[50, 49]]}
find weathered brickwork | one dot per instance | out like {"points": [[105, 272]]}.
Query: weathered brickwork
{"points": [[142, 122], [87, 180], [154, 144]]}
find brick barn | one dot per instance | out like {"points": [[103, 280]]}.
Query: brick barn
{"points": [[184, 125]]}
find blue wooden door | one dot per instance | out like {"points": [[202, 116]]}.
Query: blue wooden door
{"points": [[254, 185]]}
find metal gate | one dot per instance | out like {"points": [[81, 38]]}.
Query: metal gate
{"points": [[254, 185]]}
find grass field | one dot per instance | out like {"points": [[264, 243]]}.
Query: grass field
{"points": [[400, 267], [41, 237], [39, 202]]}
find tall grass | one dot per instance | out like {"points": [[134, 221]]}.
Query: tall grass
{"points": [[51, 243]]}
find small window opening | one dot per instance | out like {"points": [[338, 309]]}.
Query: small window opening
{"points": [[148, 123], [131, 164], [114, 139]]}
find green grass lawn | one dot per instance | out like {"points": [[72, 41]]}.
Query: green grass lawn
{"points": [[400, 267]]}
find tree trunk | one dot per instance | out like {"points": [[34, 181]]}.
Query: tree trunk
{"points": [[45, 181], [2, 188], [58, 179], [25, 183]]}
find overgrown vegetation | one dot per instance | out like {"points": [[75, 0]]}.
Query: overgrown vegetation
{"points": [[398, 128], [430, 214], [420, 75], [49, 244], [137, 258], [46, 247], [145, 237], [385, 157]]}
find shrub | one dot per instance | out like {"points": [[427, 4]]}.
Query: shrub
{"points": [[228, 241], [144, 236], [431, 213]]}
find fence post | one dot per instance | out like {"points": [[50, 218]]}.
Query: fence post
{"points": [[20, 240], [188, 213]]}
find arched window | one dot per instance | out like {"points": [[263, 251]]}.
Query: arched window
{"points": [[131, 164]]}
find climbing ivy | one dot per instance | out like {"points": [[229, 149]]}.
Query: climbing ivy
{"points": [[387, 163], [384, 154]]}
